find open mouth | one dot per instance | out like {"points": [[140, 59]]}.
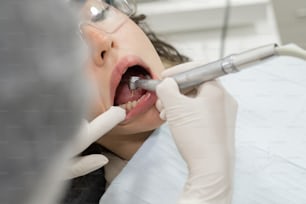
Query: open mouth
{"points": [[135, 102], [124, 96]]}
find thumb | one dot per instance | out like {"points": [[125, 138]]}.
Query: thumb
{"points": [[85, 164], [105, 122]]}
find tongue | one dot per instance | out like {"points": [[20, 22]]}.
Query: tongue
{"points": [[124, 94]]}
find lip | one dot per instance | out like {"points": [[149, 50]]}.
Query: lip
{"points": [[148, 100], [143, 105]]}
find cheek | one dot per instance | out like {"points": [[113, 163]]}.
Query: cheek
{"points": [[134, 40], [101, 100], [104, 87]]}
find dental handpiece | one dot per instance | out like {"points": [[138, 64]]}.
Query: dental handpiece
{"points": [[227, 65]]}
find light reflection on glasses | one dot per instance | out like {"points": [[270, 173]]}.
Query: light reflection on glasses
{"points": [[105, 17]]}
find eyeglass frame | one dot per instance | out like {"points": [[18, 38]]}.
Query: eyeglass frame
{"points": [[123, 16]]}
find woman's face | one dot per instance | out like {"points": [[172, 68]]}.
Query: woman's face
{"points": [[114, 57]]}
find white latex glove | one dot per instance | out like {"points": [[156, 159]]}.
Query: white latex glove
{"points": [[203, 129], [91, 132]]}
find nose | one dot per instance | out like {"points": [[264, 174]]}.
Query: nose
{"points": [[99, 43]]}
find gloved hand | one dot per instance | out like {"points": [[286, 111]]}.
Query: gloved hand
{"points": [[91, 132], [203, 129]]}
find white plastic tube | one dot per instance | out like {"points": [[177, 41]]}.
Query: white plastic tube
{"points": [[291, 50]]}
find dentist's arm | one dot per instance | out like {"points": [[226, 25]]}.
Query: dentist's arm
{"points": [[91, 132], [203, 129]]}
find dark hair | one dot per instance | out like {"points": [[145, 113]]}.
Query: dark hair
{"points": [[167, 52]]}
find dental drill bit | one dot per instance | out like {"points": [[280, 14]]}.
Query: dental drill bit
{"points": [[147, 84]]}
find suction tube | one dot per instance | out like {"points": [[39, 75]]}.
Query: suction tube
{"points": [[230, 64]]}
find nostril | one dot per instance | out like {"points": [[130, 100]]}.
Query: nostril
{"points": [[102, 54], [112, 45]]}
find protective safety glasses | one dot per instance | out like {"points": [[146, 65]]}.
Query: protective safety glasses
{"points": [[107, 16]]}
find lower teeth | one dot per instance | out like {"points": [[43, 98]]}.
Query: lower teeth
{"points": [[131, 104]]}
